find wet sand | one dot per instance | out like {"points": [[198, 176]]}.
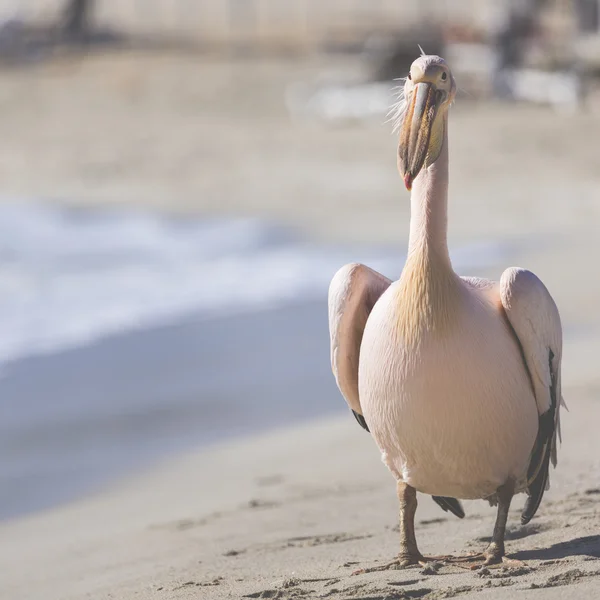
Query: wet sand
{"points": [[292, 513]]}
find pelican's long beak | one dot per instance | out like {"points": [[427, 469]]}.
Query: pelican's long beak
{"points": [[416, 130]]}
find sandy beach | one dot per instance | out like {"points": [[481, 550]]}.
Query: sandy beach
{"points": [[294, 511]]}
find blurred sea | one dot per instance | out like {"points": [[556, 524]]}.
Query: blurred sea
{"points": [[126, 337]]}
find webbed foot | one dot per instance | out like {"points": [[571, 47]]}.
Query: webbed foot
{"points": [[492, 557]]}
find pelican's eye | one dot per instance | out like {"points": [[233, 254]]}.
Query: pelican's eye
{"points": [[409, 76], [444, 76]]}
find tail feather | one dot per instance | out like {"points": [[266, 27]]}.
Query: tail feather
{"points": [[450, 504]]}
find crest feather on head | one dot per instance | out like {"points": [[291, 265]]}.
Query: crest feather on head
{"points": [[395, 115]]}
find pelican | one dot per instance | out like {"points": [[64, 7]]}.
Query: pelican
{"points": [[458, 379]]}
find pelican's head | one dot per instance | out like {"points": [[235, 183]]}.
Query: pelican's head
{"points": [[421, 115]]}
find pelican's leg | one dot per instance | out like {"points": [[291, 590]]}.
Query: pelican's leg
{"points": [[409, 553], [494, 553]]}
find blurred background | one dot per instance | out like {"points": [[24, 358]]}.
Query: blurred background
{"points": [[180, 179]]}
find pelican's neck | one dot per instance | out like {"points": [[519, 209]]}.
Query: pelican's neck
{"points": [[429, 209], [427, 294]]}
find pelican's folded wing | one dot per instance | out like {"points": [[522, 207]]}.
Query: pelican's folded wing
{"points": [[353, 292], [535, 320]]}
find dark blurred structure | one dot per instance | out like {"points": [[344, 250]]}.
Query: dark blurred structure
{"points": [[77, 17], [521, 25], [588, 12]]}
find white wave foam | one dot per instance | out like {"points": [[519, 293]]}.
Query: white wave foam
{"points": [[69, 278]]}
